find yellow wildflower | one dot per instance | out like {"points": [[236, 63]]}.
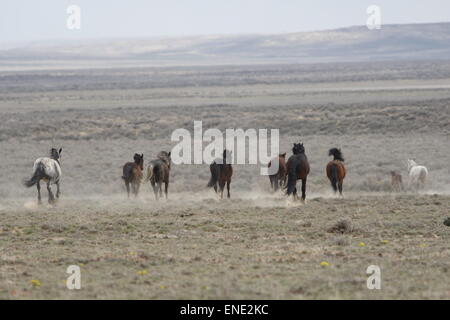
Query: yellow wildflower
{"points": [[324, 264], [142, 272], [35, 283]]}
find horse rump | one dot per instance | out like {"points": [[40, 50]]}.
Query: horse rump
{"points": [[127, 172], [292, 178], [334, 176], [215, 172], [150, 172], [154, 173], [39, 173]]}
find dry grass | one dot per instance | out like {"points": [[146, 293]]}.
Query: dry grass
{"points": [[208, 249]]}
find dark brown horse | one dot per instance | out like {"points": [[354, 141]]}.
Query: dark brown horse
{"points": [[297, 169], [221, 172], [336, 169], [132, 174], [158, 172], [278, 179]]}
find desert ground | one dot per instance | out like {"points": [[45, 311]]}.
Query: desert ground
{"points": [[256, 245]]}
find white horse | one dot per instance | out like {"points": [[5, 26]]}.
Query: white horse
{"points": [[48, 170], [417, 175]]}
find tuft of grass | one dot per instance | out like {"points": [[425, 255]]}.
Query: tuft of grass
{"points": [[343, 226]]}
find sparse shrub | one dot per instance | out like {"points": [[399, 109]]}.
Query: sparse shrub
{"points": [[342, 226], [447, 222]]}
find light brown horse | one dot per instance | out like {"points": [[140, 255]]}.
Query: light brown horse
{"points": [[132, 174], [336, 170], [396, 181], [297, 169], [278, 179], [221, 172]]}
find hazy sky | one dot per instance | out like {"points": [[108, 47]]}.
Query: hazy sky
{"points": [[33, 20]]}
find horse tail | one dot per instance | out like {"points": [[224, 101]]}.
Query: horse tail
{"points": [[39, 171], [423, 175], [334, 176], [126, 172], [150, 172], [158, 173], [292, 179], [215, 172]]}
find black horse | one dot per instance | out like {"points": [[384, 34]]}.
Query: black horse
{"points": [[221, 174], [298, 169]]}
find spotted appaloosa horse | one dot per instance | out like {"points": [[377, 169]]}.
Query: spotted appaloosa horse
{"points": [[221, 173], [49, 171], [278, 179], [336, 170], [132, 174], [297, 169]]}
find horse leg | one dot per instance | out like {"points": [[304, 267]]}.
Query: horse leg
{"points": [[160, 189], [51, 197], [280, 183], [166, 189], [138, 186], [135, 189], [283, 182], [215, 187], [58, 190], [38, 186], [272, 182], [422, 179], [222, 186], [127, 185], [276, 183], [303, 189], [228, 189], [155, 190], [340, 186]]}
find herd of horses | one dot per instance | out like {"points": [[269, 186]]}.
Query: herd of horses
{"points": [[48, 170]]}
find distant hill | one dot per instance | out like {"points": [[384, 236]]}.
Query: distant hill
{"points": [[392, 42]]}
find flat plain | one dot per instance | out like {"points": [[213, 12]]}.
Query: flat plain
{"points": [[256, 245]]}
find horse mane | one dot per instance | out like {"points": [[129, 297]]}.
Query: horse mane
{"points": [[298, 148], [336, 153], [54, 154], [164, 157], [139, 160], [226, 154]]}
